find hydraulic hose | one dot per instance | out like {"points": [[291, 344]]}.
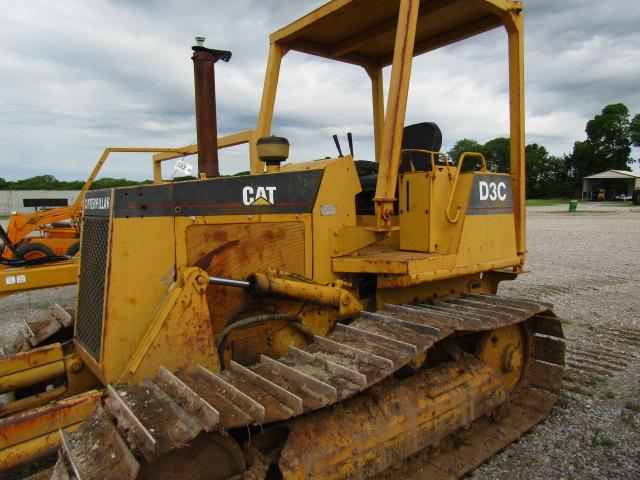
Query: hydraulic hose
{"points": [[33, 262]]}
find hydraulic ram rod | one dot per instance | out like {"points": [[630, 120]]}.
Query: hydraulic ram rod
{"points": [[229, 282]]}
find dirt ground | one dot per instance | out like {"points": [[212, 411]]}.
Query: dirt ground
{"points": [[588, 265]]}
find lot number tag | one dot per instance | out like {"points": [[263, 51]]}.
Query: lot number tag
{"points": [[183, 167]]}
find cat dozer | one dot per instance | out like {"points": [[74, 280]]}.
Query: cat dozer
{"points": [[324, 319]]}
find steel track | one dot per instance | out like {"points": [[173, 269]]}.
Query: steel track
{"points": [[332, 369]]}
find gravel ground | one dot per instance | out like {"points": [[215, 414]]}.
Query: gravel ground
{"points": [[30, 306], [588, 266]]}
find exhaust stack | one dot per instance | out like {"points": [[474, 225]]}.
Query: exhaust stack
{"points": [[205, 93]]}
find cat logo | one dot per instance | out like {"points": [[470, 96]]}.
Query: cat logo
{"points": [[258, 195]]}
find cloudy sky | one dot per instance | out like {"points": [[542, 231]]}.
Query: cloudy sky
{"points": [[79, 75]]}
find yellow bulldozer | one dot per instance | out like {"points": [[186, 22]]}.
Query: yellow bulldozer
{"points": [[324, 319]]}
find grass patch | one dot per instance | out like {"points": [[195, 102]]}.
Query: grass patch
{"points": [[633, 406], [606, 442], [544, 202], [580, 390], [628, 418], [595, 380], [608, 394], [602, 440]]}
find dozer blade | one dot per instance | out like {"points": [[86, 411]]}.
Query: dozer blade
{"points": [[56, 324], [371, 429], [101, 444], [33, 434]]}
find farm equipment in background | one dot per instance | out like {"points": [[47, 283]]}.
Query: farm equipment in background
{"points": [[302, 321], [40, 250], [49, 259]]}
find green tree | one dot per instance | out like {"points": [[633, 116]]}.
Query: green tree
{"points": [[497, 152], [107, 182], [461, 146], [610, 135], [547, 175], [634, 131], [538, 164]]}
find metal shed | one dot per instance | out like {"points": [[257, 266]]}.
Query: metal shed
{"points": [[590, 183]]}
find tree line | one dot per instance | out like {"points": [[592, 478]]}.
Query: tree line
{"points": [[610, 136], [49, 182]]}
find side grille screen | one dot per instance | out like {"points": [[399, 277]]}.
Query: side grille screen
{"points": [[93, 264]]}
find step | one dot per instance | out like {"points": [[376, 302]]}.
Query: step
{"points": [[153, 423], [96, 450]]}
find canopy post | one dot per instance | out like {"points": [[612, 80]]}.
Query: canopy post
{"points": [[389, 157], [377, 94], [276, 52], [514, 26]]}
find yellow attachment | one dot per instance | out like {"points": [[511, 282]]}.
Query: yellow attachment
{"points": [[332, 295], [31, 367], [33, 376], [32, 401], [37, 367], [14, 280], [26, 436], [172, 341]]}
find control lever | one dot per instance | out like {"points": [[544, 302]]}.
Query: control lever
{"points": [[350, 140], [335, 139]]}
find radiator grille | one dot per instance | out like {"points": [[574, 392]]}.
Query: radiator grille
{"points": [[91, 289]]}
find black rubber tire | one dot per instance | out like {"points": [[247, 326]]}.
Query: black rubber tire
{"points": [[73, 249], [35, 247]]}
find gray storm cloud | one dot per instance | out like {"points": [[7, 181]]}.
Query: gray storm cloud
{"points": [[76, 76]]}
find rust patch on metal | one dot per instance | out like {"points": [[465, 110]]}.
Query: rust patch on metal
{"points": [[39, 421], [205, 262], [237, 250]]}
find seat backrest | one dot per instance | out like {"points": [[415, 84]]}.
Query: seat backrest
{"points": [[422, 136]]}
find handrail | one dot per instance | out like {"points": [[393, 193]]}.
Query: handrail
{"points": [[483, 168], [447, 160], [103, 158], [246, 136], [162, 154]]}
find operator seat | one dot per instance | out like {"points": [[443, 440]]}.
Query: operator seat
{"points": [[421, 136]]}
